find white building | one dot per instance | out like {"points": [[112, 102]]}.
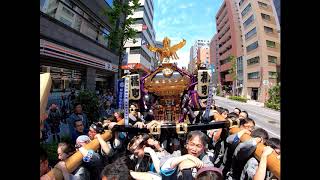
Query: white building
{"points": [[138, 52], [194, 51]]}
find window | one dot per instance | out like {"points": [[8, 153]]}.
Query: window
{"points": [[105, 33], [248, 21], [246, 10], [268, 29], [263, 5], [135, 50], [272, 75], [272, 59], [271, 44], [254, 60], [141, 8], [265, 17], [67, 12], [253, 75], [139, 21], [251, 33], [252, 46], [65, 21]]}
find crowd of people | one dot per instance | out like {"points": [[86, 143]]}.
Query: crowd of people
{"points": [[70, 112], [209, 154]]}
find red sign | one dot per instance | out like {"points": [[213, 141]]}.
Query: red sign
{"points": [[144, 27]]}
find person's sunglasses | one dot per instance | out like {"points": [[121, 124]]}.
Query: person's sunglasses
{"points": [[131, 109]]}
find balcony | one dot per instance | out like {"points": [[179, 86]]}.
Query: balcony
{"points": [[225, 46], [221, 16], [223, 23], [225, 38], [225, 55], [225, 67], [223, 31]]}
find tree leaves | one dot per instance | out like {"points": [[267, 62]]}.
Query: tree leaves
{"points": [[123, 30]]}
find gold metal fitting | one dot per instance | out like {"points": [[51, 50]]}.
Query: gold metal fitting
{"points": [[155, 129], [182, 128]]}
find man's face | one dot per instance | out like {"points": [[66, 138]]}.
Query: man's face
{"points": [[44, 166], [236, 111], [79, 109], [242, 115], [79, 126], [91, 133], [249, 126], [133, 110], [139, 152], [225, 114], [61, 155], [195, 146]]}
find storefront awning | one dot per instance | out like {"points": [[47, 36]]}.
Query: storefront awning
{"points": [[57, 51], [136, 66]]}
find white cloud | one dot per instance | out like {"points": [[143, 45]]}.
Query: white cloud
{"points": [[184, 56], [208, 10], [184, 6]]}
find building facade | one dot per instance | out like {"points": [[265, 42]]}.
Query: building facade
{"points": [[214, 59], [203, 55], [261, 48], [229, 42], [194, 53], [74, 47], [138, 54]]}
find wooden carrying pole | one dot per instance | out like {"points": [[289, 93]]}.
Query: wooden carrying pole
{"points": [[273, 163], [45, 85], [76, 159]]}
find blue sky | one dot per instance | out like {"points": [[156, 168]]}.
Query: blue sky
{"points": [[185, 19]]}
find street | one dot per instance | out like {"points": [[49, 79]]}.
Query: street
{"points": [[263, 117]]}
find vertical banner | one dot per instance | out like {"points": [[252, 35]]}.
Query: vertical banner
{"points": [[209, 100], [134, 87], [126, 100], [203, 82], [120, 96]]}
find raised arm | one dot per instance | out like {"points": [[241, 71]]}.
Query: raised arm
{"points": [[261, 171], [104, 146], [154, 157]]}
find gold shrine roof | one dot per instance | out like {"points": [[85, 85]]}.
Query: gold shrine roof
{"points": [[167, 81]]}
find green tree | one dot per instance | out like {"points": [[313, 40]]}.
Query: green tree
{"points": [[122, 24], [232, 71], [90, 104], [274, 98]]}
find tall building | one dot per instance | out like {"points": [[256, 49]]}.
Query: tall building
{"points": [[214, 58], [74, 47], [138, 54], [194, 53], [190, 64], [229, 42], [203, 55], [261, 48]]}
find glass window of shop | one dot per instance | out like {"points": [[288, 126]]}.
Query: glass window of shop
{"points": [[63, 78]]}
